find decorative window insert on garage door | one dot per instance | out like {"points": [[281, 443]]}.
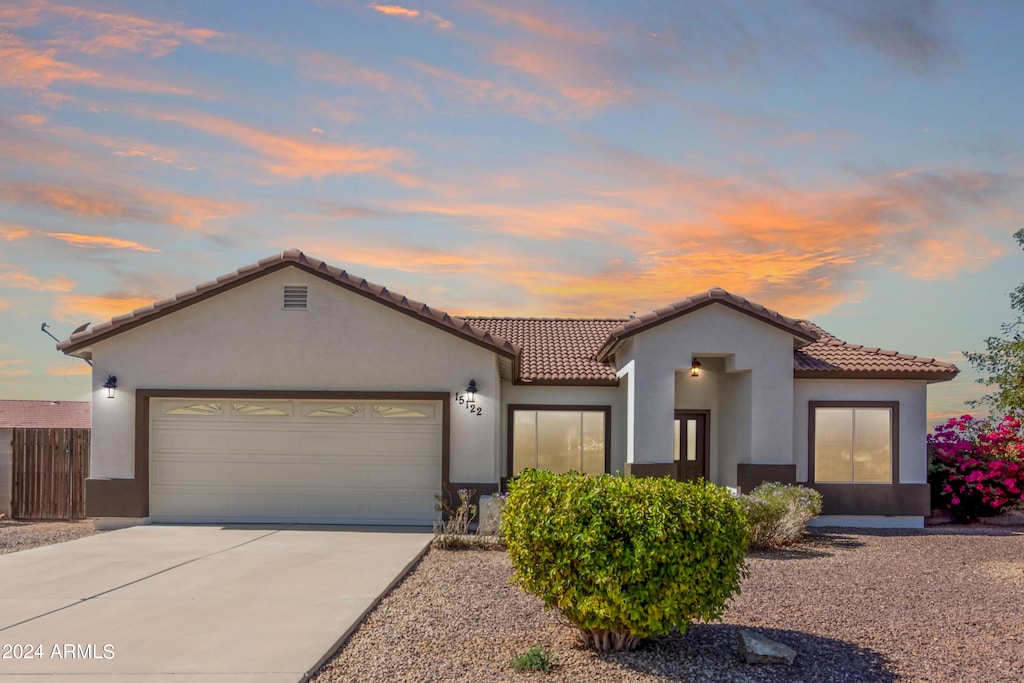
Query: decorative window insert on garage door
{"points": [[344, 461]]}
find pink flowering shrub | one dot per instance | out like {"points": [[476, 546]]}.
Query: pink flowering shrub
{"points": [[976, 466]]}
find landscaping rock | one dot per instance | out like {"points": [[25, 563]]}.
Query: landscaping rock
{"points": [[1007, 518], [756, 649]]}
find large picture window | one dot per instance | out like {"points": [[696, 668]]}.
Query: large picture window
{"points": [[558, 438], [853, 443]]}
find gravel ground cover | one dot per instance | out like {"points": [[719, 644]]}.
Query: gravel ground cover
{"points": [[942, 604], [18, 535]]}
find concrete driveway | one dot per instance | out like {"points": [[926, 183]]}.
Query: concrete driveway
{"points": [[209, 603]]}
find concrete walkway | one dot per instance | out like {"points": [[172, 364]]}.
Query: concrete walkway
{"points": [[152, 604]]}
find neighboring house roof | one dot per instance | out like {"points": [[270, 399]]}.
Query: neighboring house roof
{"points": [[832, 357], [83, 338], [576, 351], [45, 414]]}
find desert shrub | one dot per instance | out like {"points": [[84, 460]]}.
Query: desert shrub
{"points": [[624, 559], [976, 466], [778, 514], [534, 659], [455, 519]]}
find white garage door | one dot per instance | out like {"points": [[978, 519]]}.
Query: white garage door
{"points": [[344, 461]]}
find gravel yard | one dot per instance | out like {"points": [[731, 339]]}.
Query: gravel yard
{"points": [[943, 604], [18, 535]]}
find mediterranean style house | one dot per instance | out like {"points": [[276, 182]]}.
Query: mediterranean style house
{"points": [[293, 391]]}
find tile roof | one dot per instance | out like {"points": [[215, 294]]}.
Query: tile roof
{"points": [[714, 295], [552, 350], [556, 350], [832, 357], [46, 414], [86, 336]]}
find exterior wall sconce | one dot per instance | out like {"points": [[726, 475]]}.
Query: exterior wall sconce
{"points": [[110, 385], [471, 391], [695, 369]]}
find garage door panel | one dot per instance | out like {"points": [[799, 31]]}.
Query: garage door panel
{"points": [[329, 461]]}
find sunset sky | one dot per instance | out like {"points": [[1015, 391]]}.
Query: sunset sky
{"points": [[855, 163]]}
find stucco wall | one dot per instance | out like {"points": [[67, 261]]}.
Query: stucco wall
{"points": [[912, 398], [764, 397], [586, 396], [242, 339], [6, 469]]}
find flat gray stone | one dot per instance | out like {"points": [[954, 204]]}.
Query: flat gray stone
{"points": [[756, 649]]}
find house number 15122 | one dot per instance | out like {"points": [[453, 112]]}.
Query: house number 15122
{"points": [[472, 407]]}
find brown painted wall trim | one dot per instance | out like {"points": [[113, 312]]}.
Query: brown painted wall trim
{"points": [[130, 497], [875, 499], [568, 382], [750, 475], [115, 498]]}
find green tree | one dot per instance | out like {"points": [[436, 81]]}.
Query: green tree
{"points": [[1002, 361]]}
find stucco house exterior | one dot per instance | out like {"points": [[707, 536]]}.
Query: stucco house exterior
{"points": [[294, 391]]}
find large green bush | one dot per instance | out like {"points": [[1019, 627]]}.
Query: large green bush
{"points": [[778, 514], [625, 558]]}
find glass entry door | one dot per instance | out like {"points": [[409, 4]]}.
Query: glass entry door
{"points": [[691, 444]]}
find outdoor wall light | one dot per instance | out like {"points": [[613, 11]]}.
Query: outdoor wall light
{"points": [[471, 391], [695, 369], [110, 385]]}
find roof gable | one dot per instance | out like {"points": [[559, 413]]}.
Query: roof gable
{"points": [[81, 339], [799, 329]]}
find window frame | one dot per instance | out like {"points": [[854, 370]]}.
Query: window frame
{"points": [[894, 439], [555, 407]]}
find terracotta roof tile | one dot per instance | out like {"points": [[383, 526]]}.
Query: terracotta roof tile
{"points": [[832, 357], [46, 414], [556, 350]]}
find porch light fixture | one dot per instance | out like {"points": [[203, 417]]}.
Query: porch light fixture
{"points": [[471, 391], [695, 369], [110, 385]]}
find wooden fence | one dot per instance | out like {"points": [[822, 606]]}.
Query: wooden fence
{"points": [[49, 470]]}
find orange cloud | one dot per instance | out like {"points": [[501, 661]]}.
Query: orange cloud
{"points": [[412, 14], [296, 158], [18, 277], [74, 308], [344, 73], [107, 34], [126, 204], [555, 28], [476, 90], [80, 240], [11, 232], [76, 369], [11, 368]]}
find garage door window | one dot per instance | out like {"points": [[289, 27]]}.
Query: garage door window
{"points": [[192, 409], [261, 409], [559, 439], [404, 412], [336, 411]]}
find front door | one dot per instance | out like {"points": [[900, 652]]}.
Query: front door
{"points": [[691, 444]]}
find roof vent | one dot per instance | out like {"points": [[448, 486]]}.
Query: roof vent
{"points": [[295, 297]]}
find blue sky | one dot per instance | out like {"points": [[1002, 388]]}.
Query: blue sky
{"points": [[855, 163]]}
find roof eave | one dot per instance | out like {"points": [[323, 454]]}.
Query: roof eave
{"points": [[929, 376]]}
